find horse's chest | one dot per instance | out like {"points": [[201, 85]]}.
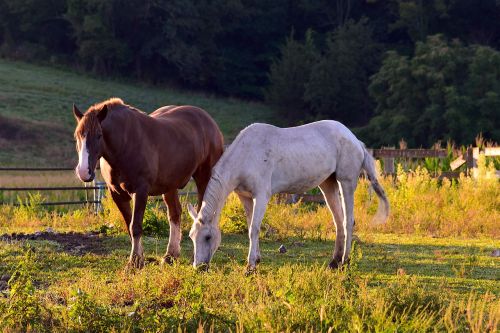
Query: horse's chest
{"points": [[120, 182]]}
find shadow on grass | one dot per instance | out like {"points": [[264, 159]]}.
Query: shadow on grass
{"points": [[423, 260], [385, 259]]}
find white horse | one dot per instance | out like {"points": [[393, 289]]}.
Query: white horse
{"points": [[264, 160]]}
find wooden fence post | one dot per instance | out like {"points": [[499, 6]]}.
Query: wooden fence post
{"points": [[388, 162], [389, 165], [469, 159]]}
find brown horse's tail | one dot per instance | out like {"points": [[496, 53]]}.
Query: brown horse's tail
{"points": [[383, 203]]}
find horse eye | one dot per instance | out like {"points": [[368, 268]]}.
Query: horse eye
{"points": [[207, 238]]}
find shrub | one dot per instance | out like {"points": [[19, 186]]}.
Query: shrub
{"points": [[86, 315]]}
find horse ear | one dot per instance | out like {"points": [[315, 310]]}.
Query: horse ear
{"points": [[192, 212], [102, 113], [78, 115]]}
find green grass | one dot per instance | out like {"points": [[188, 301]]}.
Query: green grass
{"points": [[287, 293], [35, 107], [429, 268]]}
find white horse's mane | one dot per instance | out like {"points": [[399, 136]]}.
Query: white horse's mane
{"points": [[214, 196]]}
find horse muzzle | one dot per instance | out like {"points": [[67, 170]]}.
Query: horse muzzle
{"points": [[84, 174], [202, 267]]}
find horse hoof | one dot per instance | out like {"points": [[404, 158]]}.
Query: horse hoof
{"points": [[136, 262], [202, 267], [334, 264], [251, 270], [168, 260]]}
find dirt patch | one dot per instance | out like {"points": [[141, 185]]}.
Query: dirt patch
{"points": [[76, 243]]}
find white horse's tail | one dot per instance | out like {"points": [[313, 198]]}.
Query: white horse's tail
{"points": [[383, 203]]}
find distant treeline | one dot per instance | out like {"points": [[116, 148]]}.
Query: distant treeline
{"points": [[413, 69]]}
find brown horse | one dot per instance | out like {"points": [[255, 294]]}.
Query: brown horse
{"points": [[143, 155]]}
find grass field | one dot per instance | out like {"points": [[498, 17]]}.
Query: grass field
{"points": [[430, 268], [399, 283], [36, 122]]}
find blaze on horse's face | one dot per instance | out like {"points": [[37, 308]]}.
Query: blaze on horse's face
{"points": [[89, 142], [206, 238]]}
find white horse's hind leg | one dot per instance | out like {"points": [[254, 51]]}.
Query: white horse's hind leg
{"points": [[347, 189], [331, 192], [259, 208]]}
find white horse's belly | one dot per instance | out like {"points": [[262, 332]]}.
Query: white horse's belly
{"points": [[300, 176], [298, 186]]}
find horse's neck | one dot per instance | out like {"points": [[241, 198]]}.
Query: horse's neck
{"points": [[119, 131], [215, 196]]}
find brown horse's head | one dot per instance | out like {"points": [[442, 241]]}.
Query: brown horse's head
{"points": [[89, 140]]}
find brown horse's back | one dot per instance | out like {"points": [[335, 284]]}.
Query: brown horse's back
{"points": [[201, 128]]}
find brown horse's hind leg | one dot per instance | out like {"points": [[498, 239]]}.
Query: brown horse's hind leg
{"points": [[331, 192], [122, 201], [174, 216]]}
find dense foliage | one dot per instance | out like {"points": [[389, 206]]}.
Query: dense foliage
{"points": [[312, 59], [446, 90]]}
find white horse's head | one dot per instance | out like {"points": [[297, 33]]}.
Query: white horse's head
{"points": [[206, 236]]}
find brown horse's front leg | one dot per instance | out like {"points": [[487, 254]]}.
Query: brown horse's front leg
{"points": [[122, 201], [174, 216], [140, 199]]}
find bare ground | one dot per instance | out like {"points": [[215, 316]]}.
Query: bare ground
{"points": [[76, 243]]}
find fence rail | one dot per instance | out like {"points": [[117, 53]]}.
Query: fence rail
{"points": [[57, 188], [408, 153], [36, 169], [388, 155], [60, 203]]}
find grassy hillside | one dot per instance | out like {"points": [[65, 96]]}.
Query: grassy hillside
{"points": [[36, 123]]}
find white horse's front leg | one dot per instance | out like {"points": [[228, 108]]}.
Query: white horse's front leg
{"points": [[259, 208]]}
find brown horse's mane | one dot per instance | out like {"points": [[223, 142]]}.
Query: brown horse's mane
{"points": [[113, 101], [90, 122]]}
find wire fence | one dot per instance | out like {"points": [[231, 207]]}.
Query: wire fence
{"points": [[388, 156]]}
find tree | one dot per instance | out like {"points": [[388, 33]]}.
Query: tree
{"points": [[338, 84], [289, 76], [35, 28], [445, 91], [96, 32]]}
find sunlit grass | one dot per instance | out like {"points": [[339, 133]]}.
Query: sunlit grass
{"points": [[292, 291]]}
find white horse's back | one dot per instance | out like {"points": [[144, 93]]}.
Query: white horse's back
{"points": [[293, 159]]}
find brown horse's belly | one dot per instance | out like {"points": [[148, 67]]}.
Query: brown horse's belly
{"points": [[164, 187]]}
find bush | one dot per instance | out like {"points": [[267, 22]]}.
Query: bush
{"points": [[86, 315]]}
